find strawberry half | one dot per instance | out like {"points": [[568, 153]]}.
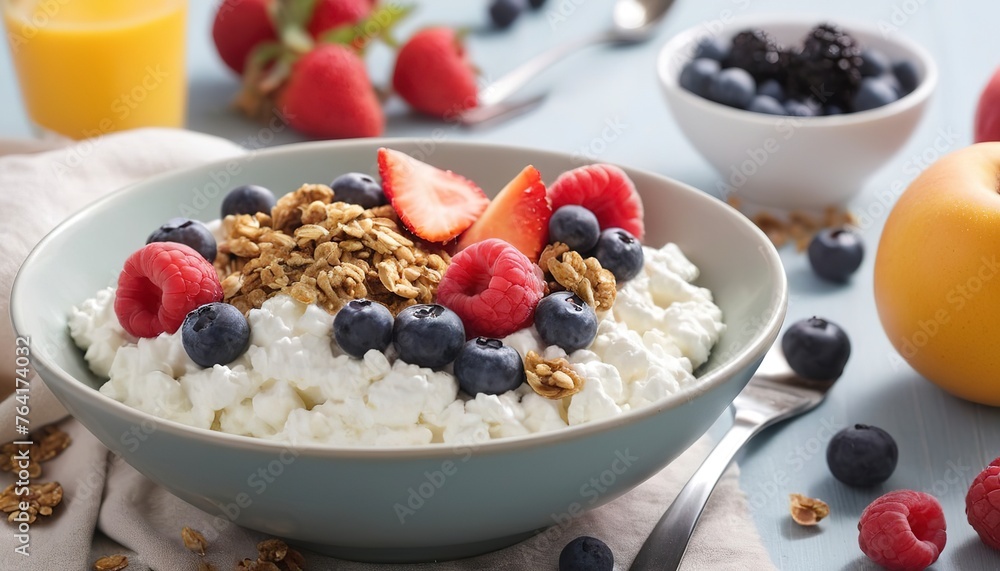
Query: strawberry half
{"points": [[435, 205], [519, 215]]}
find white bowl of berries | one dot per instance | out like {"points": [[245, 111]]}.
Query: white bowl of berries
{"points": [[378, 358], [794, 112]]}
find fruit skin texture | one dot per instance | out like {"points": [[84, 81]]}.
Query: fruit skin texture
{"points": [[936, 286], [329, 95], [733, 86], [519, 215], [586, 554], [362, 325], [358, 188], [816, 348], [428, 335], [987, 122], [160, 284], [698, 74], [836, 253], [248, 199], [239, 26], [504, 12], [493, 287], [576, 227], [563, 319], [215, 334], [189, 232], [862, 455], [619, 252], [604, 190], [434, 75], [435, 205], [903, 530], [330, 14], [982, 506], [486, 365]]}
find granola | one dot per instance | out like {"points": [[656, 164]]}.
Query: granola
{"points": [[40, 500], [194, 540], [551, 378], [325, 252], [584, 277], [807, 511], [46, 446], [273, 555], [798, 227], [111, 563]]}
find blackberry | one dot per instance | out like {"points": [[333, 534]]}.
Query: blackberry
{"points": [[758, 53], [828, 67]]}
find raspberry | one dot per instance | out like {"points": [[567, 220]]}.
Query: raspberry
{"points": [[160, 283], [982, 504], [493, 287], [604, 190], [903, 530]]}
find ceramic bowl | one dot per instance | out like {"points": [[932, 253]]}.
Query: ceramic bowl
{"points": [[353, 502], [794, 162]]}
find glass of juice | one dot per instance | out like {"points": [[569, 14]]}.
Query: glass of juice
{"points": [[90, 67]]}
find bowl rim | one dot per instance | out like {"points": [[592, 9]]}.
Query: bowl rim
{"points": [[744, 358], [673, 47]]}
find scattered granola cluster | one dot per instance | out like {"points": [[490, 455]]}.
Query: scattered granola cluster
{"points": [[41, 499], [584, 277], [798, 227], [325, 252], [111, 563], [44, 447], [807, 511], [273, 555], [551, 378]]}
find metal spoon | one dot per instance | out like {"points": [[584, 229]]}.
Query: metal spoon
{"points": [[633, 21], [775, 393]]}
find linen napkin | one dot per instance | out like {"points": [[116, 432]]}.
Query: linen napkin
{"points": [[109, 508]]}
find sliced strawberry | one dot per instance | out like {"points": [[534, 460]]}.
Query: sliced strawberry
{"points": [[435, 205], [519, 215], [606, 191]]}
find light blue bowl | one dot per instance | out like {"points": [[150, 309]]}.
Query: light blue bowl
{"points": [[396, 504]]}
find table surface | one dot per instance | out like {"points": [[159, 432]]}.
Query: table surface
{"points": [[943, 442]]}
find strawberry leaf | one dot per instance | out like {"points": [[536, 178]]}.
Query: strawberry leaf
{"points": [[291, 18], [377, 26]]}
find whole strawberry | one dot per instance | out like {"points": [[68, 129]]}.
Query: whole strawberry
{"points": [[331, 14], [328, 95], [238, 27], [434, 75]]}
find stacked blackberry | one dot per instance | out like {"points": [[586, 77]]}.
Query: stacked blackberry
{"points": [[829, 74]]}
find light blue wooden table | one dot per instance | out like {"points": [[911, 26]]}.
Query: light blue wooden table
{"points": [[605, 103]]}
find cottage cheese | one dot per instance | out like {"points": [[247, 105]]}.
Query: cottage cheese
{"points": [[294, 384]]}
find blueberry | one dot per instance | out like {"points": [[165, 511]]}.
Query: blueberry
{"points": [[816, 349], [874, 63], [249, 199], [766, 104], [697, 75], [797, 108], [215, 334], [358, 188], [907, 75], [836, 253], [563, 319], [504, 12], [574, 226], [862, 455], [873, 93], [771, 88], [428, 335], [891, 80], [536, 4], [362, 325], [712, 47], [188, 232], [832, 109], [734, 87], [620, 252], [586, 554], [488, 366]]}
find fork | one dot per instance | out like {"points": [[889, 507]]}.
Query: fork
{"points": [[774, 393]]}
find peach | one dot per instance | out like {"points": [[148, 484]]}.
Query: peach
{"points": [[937, 274]]}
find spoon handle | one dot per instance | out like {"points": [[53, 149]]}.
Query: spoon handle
{"points": [[666, 544], [499, 91]]}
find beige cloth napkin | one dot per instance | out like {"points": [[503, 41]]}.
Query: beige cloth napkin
{"points": [[109, 508]]}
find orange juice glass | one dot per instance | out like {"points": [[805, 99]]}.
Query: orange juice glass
{"points": [[90, 67]]}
